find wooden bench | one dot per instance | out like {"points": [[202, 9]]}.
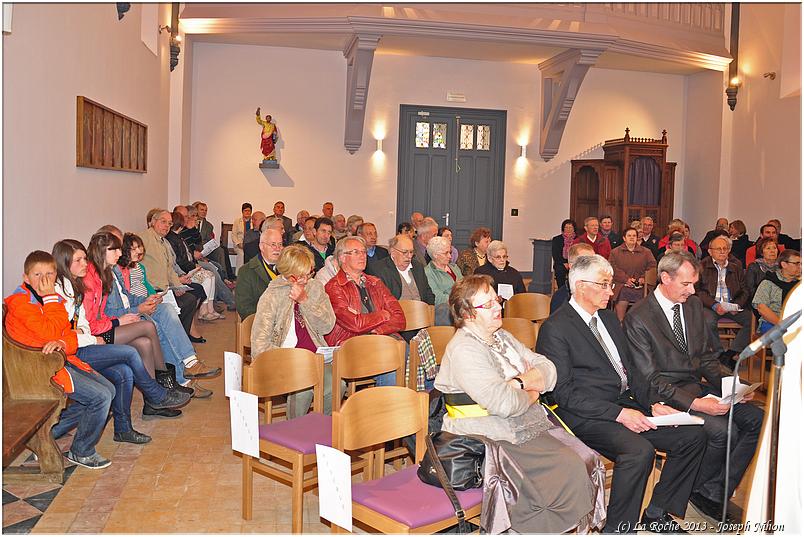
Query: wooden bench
{"points": [[32, 403]]}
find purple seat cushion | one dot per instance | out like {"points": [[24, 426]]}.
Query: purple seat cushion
{"points": [[301, 434], [403, 497]]}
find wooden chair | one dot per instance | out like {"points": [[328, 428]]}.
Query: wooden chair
{"points": [[244, 336], [292, 442], [399, 502], [531, 306], [225, 230], [32, 403], [418, 314], [522, 329], [651, 280], [439, 337]]}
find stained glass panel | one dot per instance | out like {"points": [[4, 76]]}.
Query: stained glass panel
{"points": [[483, 137], [422, 134], [467, 136], [439, 135]]}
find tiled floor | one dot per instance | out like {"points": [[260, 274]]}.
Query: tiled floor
{"points": [[187, 480]]}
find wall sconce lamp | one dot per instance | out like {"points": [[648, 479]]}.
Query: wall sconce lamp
{"points": [[734, 45], [731, 92], [523, 151], [379, 145], [175, 38]]}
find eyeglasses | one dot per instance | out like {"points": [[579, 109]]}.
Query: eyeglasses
{"points": [[356, 251], [798, 263], [404, 252], [500, 257], [490, 304], [602, 285], [720, 249], [273, 244]]}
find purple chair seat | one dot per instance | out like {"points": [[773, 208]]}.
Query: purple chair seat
{"points": [[300, 434], [403, 497]]}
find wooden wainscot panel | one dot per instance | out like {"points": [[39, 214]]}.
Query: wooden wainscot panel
{"points": [[109, 140]]}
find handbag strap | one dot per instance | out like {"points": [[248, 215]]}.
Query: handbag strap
{"points": [[463, 526]]}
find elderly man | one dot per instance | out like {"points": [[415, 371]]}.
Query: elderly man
{"points": [[724, 294], [279, 212], [591, 236], [562, 294], [219, 254], [374, 253], [671, 351], [297, 231], [253, 277], [352, 222], [251, 237], [428, 228], [239, 228], [320, 245], [649, 240], [362, 303], [416, 219], [595, 393], [721, 228], [327, 209], [339, 230]]}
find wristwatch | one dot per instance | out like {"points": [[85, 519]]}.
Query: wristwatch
{"points": [[521, 383]]}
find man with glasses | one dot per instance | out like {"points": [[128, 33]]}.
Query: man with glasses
{"points": [[596, 390], [724, 295], [374, 253], [362, 303], [253, 277], [672, 350]]}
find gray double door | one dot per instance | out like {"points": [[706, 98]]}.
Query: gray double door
{"points": [[452, 168]]}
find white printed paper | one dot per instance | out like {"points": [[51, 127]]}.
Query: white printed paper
{"points": [[730, 306], [170, 299], [678, 418], [505, 290], [209, 246], [232, 372], [334, 486], [727, 383], [245, 424], [328, 353]]}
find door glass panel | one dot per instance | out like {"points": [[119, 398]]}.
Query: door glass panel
{"points": [[422, 134], [439, 135], [483, 137], [467, 136]]}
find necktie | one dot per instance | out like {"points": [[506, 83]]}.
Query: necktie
{"points": [[678, 330], [614, 363]]}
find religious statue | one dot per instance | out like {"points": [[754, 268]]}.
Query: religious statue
{"points": [[269, 136]]}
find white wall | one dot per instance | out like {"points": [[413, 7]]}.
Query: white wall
{"points": [[304, 90], [55, 53]]}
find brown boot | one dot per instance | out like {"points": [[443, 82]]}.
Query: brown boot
{"points": [[200, 371]]}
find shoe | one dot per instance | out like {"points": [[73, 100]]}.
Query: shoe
{"points": [[93, 462], [132, 437], [200, 392], [662, 524], [727, 358], [709, 508], [196, 339], [208, 317], [174, 383], [219, 307], [173, 399], [200, 371], [149, 412]]}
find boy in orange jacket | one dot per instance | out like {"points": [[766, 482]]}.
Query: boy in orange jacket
{"points": [[36, 317]]}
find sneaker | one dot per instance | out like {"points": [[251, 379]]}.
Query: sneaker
{"points": [[199, 391], [208, 317], [201, 371], [93, 462], [132, 437], [172, 399]]}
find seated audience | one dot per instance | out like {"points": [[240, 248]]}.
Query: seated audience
{"points": [[595, 390], [637, 224], [251, 238], [297, 230], [555, 483], [308, 231], [329, 271], [757, 270], [253, 277], [239, 228], [676, 243], [560, 246], [219, 255], [36, 317], [416, 218], [500, 269], [630, 262], [739, 240], [672, 354], [721, 227], [426, 231], [352, 222], [679, 226], [648, 239], [446, 232], [119, 364], [691, 243], [339, 229], [320, 246], [223, 287], [328, 210], [785, 240], [362, 303], [773, 290], [475, 255], [294, 312], [562, 294], [279, 212], [374, 253], [606, 230], [766, 231], [441, 273], [407, 229], [592, 237]]}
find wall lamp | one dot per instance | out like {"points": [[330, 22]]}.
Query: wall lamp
{"points": [[175, 38], [731, 91], [523, 151], [379, 144], [734, 45]]}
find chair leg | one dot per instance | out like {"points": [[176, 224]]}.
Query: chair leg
{"points": [[297, 494], [248, 487]]}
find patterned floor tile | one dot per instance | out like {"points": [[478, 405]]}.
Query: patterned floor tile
{"points": [[8, 497], [17, 512], [23, 527], [43, 501]]}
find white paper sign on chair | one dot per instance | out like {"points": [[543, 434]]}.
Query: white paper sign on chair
{"points": [[245, 424], [232, 372], [334, 486]]}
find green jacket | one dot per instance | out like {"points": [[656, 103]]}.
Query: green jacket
{"points": [[440, 282], [252, 281]]}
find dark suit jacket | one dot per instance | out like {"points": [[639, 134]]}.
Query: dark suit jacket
{"points": [[673, 376], [288, 223], [386, 271], [652, 244], [207, 232], [380, 253], [557, 249], [587, 387], [706, 287]]}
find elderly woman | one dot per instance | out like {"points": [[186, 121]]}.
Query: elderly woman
{"points": [[441, 274], [491, 384], [630, 261], [446, 232], [295, 312], [475, 255], [499, 268], [560, 249], [770, 295]]}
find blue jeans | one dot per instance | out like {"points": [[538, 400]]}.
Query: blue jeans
{"points": [[91, 399], [222, 293], [386, 379], [175, 344], [122, 365]]}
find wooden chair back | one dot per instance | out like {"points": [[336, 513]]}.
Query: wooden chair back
{"points": [[244, 336], [418, 314], [225, 230], [439, 337], [522, 329], [366, 356], [531, 306], [282, 371], [651, 280]]}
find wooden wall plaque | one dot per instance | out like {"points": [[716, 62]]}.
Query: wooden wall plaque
{"points": [[109, 140]]}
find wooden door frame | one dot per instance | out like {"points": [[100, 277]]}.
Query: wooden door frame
{"points": [[501, 116]]}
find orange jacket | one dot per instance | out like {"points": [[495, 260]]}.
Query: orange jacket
{"points": [[34, 324]]}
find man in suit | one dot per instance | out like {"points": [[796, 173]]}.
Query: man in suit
{"points": [[671, 351], [279, 212], [402, 273], [649, 240], [374, 253], [207, 234], [255, 275], [595, 394]]}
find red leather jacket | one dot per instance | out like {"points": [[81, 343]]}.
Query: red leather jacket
{"points": [[349, 322]]}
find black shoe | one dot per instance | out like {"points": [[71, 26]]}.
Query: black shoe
{"points": [[172, 399], [132, 437], [149, 412], [196, 339], [662, 524], [727, 358], [709, 508], [175, 383]]}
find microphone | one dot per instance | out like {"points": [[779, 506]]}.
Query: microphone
{"points": [[770, 336]]}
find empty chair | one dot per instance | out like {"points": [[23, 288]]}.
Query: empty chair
{"points": [[365, 356], [418, 314], [522, 329], [244, 336], [532, 306]]}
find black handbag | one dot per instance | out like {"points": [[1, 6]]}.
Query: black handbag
{"points": [[460, 456]]}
